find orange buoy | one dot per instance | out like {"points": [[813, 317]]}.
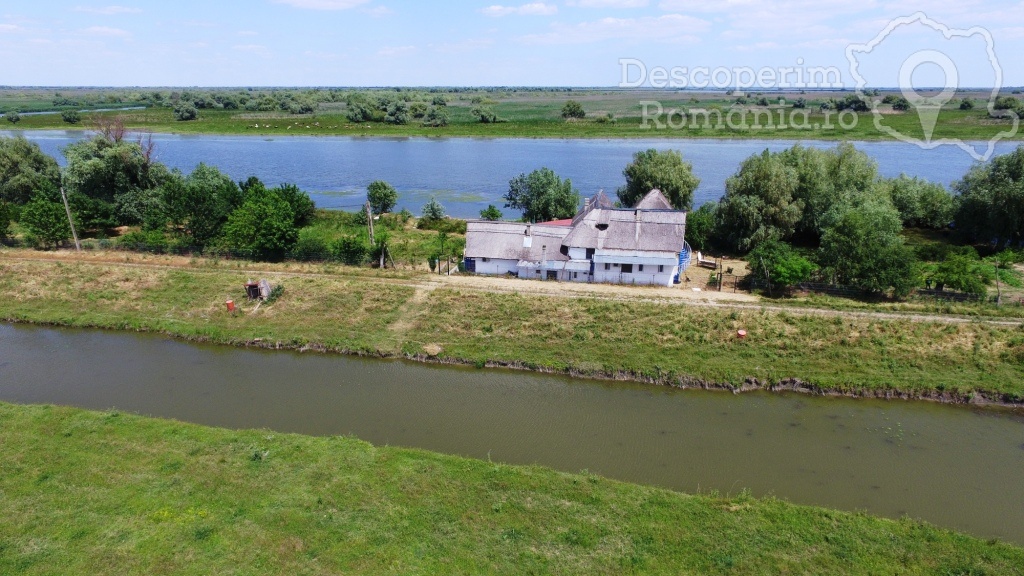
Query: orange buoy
{"points": [[741, 333], [231, 305]]}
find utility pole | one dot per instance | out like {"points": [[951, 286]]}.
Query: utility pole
{"points": [[71, 221], [369, 223]]}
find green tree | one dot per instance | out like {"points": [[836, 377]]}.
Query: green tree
{"points": [[961, 270], [491, 213], [302, 206], [700, 226], [263, 227], [826, 178], [71, 116], [542, 196], [397, 113], [13, 117], [433, 210], [199, 204], [437, 117], [105, 168], [185, 111], [24, 168], [759, 203], [777, 263], [921, 203], [967, 104], [6, 215], [485, 115], [665, 171], [991, 201], [573, 110], [381, 196], [46, 221], [862, 246]]}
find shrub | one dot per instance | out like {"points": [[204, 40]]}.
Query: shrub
{"points": [[573, 110], [491, 213], [433, 210], [46, 222], [310, 247], [71, 116], [185, 111], [351, 250], [152, 241], [436, 118], [13, 117]]}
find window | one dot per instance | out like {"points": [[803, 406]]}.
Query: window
{"points": [[487, 259], [640, 268], [590, 253], [661, 268], [627, 268], [575, 275], [607, 266]]}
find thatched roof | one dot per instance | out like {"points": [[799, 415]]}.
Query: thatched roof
{"points": [[639, 230], [514, 240], [654, 200]]}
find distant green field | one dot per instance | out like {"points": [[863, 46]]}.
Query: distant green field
{"points": [[610, 114]]}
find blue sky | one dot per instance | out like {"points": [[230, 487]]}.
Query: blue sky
{"points": [[466, 43]]}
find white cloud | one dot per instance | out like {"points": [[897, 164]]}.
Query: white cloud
{"points": [[670, 28], [323, 4], [107, 31], [531, 9], [108, 10], [607, 3], [8, 28], [248, 33]]}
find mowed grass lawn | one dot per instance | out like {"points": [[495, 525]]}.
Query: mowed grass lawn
{"points": [[107, 493], [367, 311]]}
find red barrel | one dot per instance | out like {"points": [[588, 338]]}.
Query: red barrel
{"points": [[231, 305]]}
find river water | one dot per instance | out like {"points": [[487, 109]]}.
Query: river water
{"points": [[467, 174], [957, 467]]}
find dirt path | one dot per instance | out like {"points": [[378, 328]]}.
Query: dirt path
{"points": [[425, 284]]}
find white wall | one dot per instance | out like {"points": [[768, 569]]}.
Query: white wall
{"points": [[650, 275], [496, 266]]}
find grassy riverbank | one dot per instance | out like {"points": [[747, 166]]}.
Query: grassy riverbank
{"points": [[104, 493], [538, 115], [633, 334]]}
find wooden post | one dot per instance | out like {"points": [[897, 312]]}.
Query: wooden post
{"points": [[369, 223], [71, 220]]}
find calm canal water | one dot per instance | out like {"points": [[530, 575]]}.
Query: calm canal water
{"points": [[953, 466], [467, 174]]}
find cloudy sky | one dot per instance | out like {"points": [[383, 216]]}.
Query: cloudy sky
{"points": [[462, 42]]}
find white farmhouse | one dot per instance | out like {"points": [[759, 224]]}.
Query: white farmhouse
{"points": [[640, 245]]}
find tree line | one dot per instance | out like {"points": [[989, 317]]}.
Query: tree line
{"points": [[826, 215]]}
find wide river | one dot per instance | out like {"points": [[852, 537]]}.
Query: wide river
{"points": [[467, 174], [957, 467]]}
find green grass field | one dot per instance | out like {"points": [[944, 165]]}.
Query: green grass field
{"points": [[109, 493], [407, 313]]}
